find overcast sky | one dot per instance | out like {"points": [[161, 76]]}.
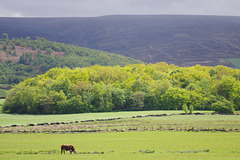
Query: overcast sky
{"points": [[92, 8]]}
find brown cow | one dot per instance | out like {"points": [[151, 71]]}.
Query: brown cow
{"points": [[70, 148]]}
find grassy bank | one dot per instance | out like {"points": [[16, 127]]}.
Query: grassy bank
{"points": [[124, 145], [9, 119], [129, 121], [1, 103], [3, 92]]}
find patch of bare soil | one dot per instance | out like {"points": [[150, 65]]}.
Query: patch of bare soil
{"points": [[19, 52]]}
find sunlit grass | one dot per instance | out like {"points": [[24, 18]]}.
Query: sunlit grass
{"points": [[3, 92], [123, 145], [128, 122], [1, 103], [9, 119]]}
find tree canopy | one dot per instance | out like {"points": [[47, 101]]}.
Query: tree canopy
{"points": [[133, 87]]}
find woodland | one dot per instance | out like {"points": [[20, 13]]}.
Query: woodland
{"points": [[133, 87]]}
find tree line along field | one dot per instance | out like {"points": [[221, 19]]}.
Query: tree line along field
{"points": [[123, 145], [134, 87]]}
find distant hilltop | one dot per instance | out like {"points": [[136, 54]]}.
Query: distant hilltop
{"points": [[175, 39]]}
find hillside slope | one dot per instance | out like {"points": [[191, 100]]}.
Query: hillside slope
{"points": [[24, 58], [180, 40]]}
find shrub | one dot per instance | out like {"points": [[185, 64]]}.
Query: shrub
{"points": [[185, 108], [223, 108], [191, 109]]}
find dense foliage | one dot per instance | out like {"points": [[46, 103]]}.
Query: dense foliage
{"points": [[39, 59], [134, 87]]}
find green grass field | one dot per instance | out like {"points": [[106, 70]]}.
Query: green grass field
{"points": [[9, 119], [3, 92], [234, 61], [123, 145], [1, 103], [175, 121]]}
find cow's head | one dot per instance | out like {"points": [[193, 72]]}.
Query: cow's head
{"points": [[75, 151]]}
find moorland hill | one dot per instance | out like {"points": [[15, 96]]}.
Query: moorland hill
{"points": [[180, 40]]}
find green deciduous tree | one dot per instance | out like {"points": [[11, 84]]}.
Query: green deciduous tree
{"points": [[185, 108], [119, 99], [138, 101], [225, 107], [174, 99], [191, 109]]}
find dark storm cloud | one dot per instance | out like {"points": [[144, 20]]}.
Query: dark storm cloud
{"points": [[82, 8]]}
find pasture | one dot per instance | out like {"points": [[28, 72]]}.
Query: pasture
{"points": [[3, 92], [123, 145], [18, 119], [118, 121], [155, 137], [1, 103], [174, 122], [234, 61]]}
